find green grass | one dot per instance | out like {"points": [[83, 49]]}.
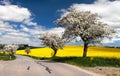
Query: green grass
{"points": [[6, 57], [89, 61]]}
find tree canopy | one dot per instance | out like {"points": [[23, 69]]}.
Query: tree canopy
{"points": [[53, 41]]}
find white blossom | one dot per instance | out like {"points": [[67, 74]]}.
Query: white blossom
{"points": [[11, 48], [84, 24], [53, 41]]}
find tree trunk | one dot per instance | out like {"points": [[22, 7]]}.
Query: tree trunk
{"points": [[27, 53], [85, 49], [55, 52], [12, 53]]}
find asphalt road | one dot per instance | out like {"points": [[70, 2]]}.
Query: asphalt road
{"points": [[25, 66]]}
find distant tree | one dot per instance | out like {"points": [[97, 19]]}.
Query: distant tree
{"points": [[84, 24], [27, 50], [11, 49], [53, 41]]}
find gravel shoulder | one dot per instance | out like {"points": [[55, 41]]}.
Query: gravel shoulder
{"points": [[107, 71]]}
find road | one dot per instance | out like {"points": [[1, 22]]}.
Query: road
{"points": [[25, 66]]}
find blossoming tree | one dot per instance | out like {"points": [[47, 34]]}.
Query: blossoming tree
{"points": [[88, 26], [27, 50], [11, 48], [53, 41]]}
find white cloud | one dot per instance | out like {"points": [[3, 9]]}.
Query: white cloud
{"points": [[8, 39], [14, 13], [101, 1], [5, 27], [24, 28], [18, 37], [5, 24], [114, 39], [108, 10], [6, 2], [11, 32], [18, 34], [30, 23], [58, 30], [38, 30], [12, 35]]}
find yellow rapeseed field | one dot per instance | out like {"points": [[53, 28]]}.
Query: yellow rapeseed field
{"points": [[74, 51]]}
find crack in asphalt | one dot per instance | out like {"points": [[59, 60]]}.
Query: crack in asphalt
{"points": [[28, 68], [46, 68]]}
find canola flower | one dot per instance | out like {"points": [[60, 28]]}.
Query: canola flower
{"points": [[74, 51]]}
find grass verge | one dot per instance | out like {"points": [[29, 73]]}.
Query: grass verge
{"points": [[6, 57], [89, 61]]}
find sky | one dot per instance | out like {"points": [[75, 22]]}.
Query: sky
{"points": [[24, 21]]}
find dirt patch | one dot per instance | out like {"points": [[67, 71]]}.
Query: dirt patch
{"points": [[107, 71]]}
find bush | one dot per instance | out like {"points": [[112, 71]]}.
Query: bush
{"points": [[6, 57]]}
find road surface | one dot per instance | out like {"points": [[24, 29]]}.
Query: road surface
{"points": [[25, 66]]}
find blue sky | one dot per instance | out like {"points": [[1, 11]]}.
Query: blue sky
{"points": [[45, 12], [23, 21]]}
